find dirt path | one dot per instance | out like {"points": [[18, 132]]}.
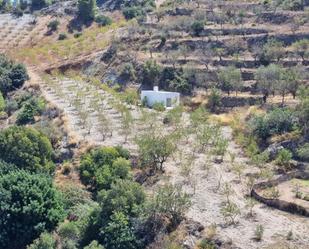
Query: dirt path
{"points": [[207, 200]]}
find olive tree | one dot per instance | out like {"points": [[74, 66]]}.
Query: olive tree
{"points": [[154, 149], [230, 79]]}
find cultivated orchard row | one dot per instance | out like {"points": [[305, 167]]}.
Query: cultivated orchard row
{"points": [[92, 112], [16, 31]]}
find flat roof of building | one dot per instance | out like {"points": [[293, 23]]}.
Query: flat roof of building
{"points": [[151, 91]]}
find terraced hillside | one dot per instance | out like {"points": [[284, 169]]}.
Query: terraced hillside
{"points": [[21, 31], [237, 127]]}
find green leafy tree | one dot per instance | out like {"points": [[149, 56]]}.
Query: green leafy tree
{"points": [[272, 50], [150, 73], [230, 79], [268, 78], [302, 109], [117, 207], [154, 149], [29, 204], [169, 201], [26, 148], [301, 48], [87, 10]]}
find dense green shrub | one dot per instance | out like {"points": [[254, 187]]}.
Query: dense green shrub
{"points": [[68, 231], [118, 206], [37, 4], [62, 36], [29, 204], [53, 25], [5, 167], [132, 12], [135, 8], [10, 106], [12, 75], [197, 27], [100, 167], [103, 20], [26, 148], [124, 196], [34, 106], [277, 121], [45, 241], [74, 195], [118, 233], [128, 72]]}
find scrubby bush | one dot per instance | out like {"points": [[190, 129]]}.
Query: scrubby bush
{"points": [[214, 100], [53, 25], [258, 232], [158, 106], [2, 103], [127, 72], [132, 9], [94, 245], [62, 36], [26, 148], [100, 167], [283, 158], [29, 205], [10, 106], [277, 121], [303, 152], [45, 241], [74, 195], [197, 27], [103, 20], [30, 108]]}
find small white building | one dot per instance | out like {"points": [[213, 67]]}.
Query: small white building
{"points": [[168, 99]]}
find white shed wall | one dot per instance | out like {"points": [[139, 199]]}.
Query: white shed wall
{"points": [[161, 97]]}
